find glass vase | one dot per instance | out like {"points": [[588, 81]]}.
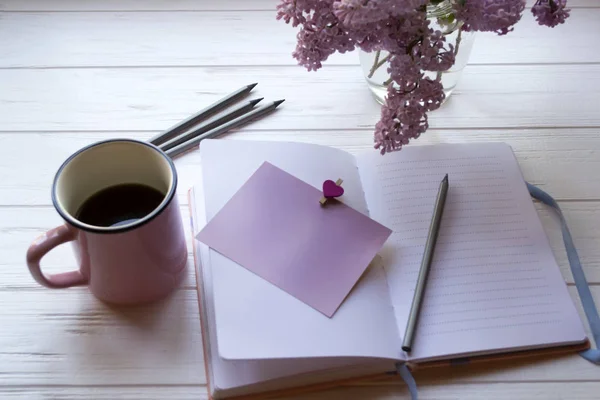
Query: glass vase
{"points": [[375, 66]]}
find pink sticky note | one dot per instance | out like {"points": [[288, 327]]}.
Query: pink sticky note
{"points": [[275, 227]]}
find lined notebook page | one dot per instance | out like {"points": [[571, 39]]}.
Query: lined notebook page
{"points": [[493, 283]]}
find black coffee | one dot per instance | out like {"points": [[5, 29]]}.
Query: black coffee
{"points": [[119, 205]]}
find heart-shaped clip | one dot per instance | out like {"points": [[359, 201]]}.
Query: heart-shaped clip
{"points": [[331, 190]]}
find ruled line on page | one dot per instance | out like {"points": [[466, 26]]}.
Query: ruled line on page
{"points": [[488, 258], [487, 327]]}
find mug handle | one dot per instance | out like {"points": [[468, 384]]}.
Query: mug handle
{"points": [[40, 247]]}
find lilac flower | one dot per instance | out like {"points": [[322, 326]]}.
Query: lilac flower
{"points": [[490, 15], [550, 12], [401, 28], [400, 7], [402, 33], [398, 124], [368, 36], [320, 37], [404, 72], [404, 115], [431, 94], [359, 12], [430, 53], [293, 10]]}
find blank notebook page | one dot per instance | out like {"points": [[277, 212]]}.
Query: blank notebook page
{"points": [[256, 319], [494, 283]]}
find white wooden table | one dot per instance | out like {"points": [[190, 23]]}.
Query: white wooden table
{"points": [[73, 72]]}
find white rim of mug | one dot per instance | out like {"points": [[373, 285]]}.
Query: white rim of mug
{"points": [[122, 228]]}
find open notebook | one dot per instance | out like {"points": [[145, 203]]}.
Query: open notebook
{"points": [[494, 285]]}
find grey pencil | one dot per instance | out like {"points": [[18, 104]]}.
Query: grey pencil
{"points": [[214, 108], [257, 112], [434, 229], [211, 124]]}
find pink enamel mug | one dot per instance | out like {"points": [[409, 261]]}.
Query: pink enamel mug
{"points": [[141, 257]]}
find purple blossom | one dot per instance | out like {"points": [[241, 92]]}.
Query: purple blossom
{"points": [[368, 37], [321, 36], [359, 12], [430, 53], [399, 123], [293, 10], [404, 72], [400, 34], [490, 15], [401, 28], [404, 115], [431, 94], [550, 12]]}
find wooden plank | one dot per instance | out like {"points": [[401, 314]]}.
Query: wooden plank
{"points": [[448, 391], [566, 171], [69, 338], [217, 38], [562, 161], [152, 5], [167, 5], [20, 226], [451, 391], [582, 219], [335, 98], [189, 392]]}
